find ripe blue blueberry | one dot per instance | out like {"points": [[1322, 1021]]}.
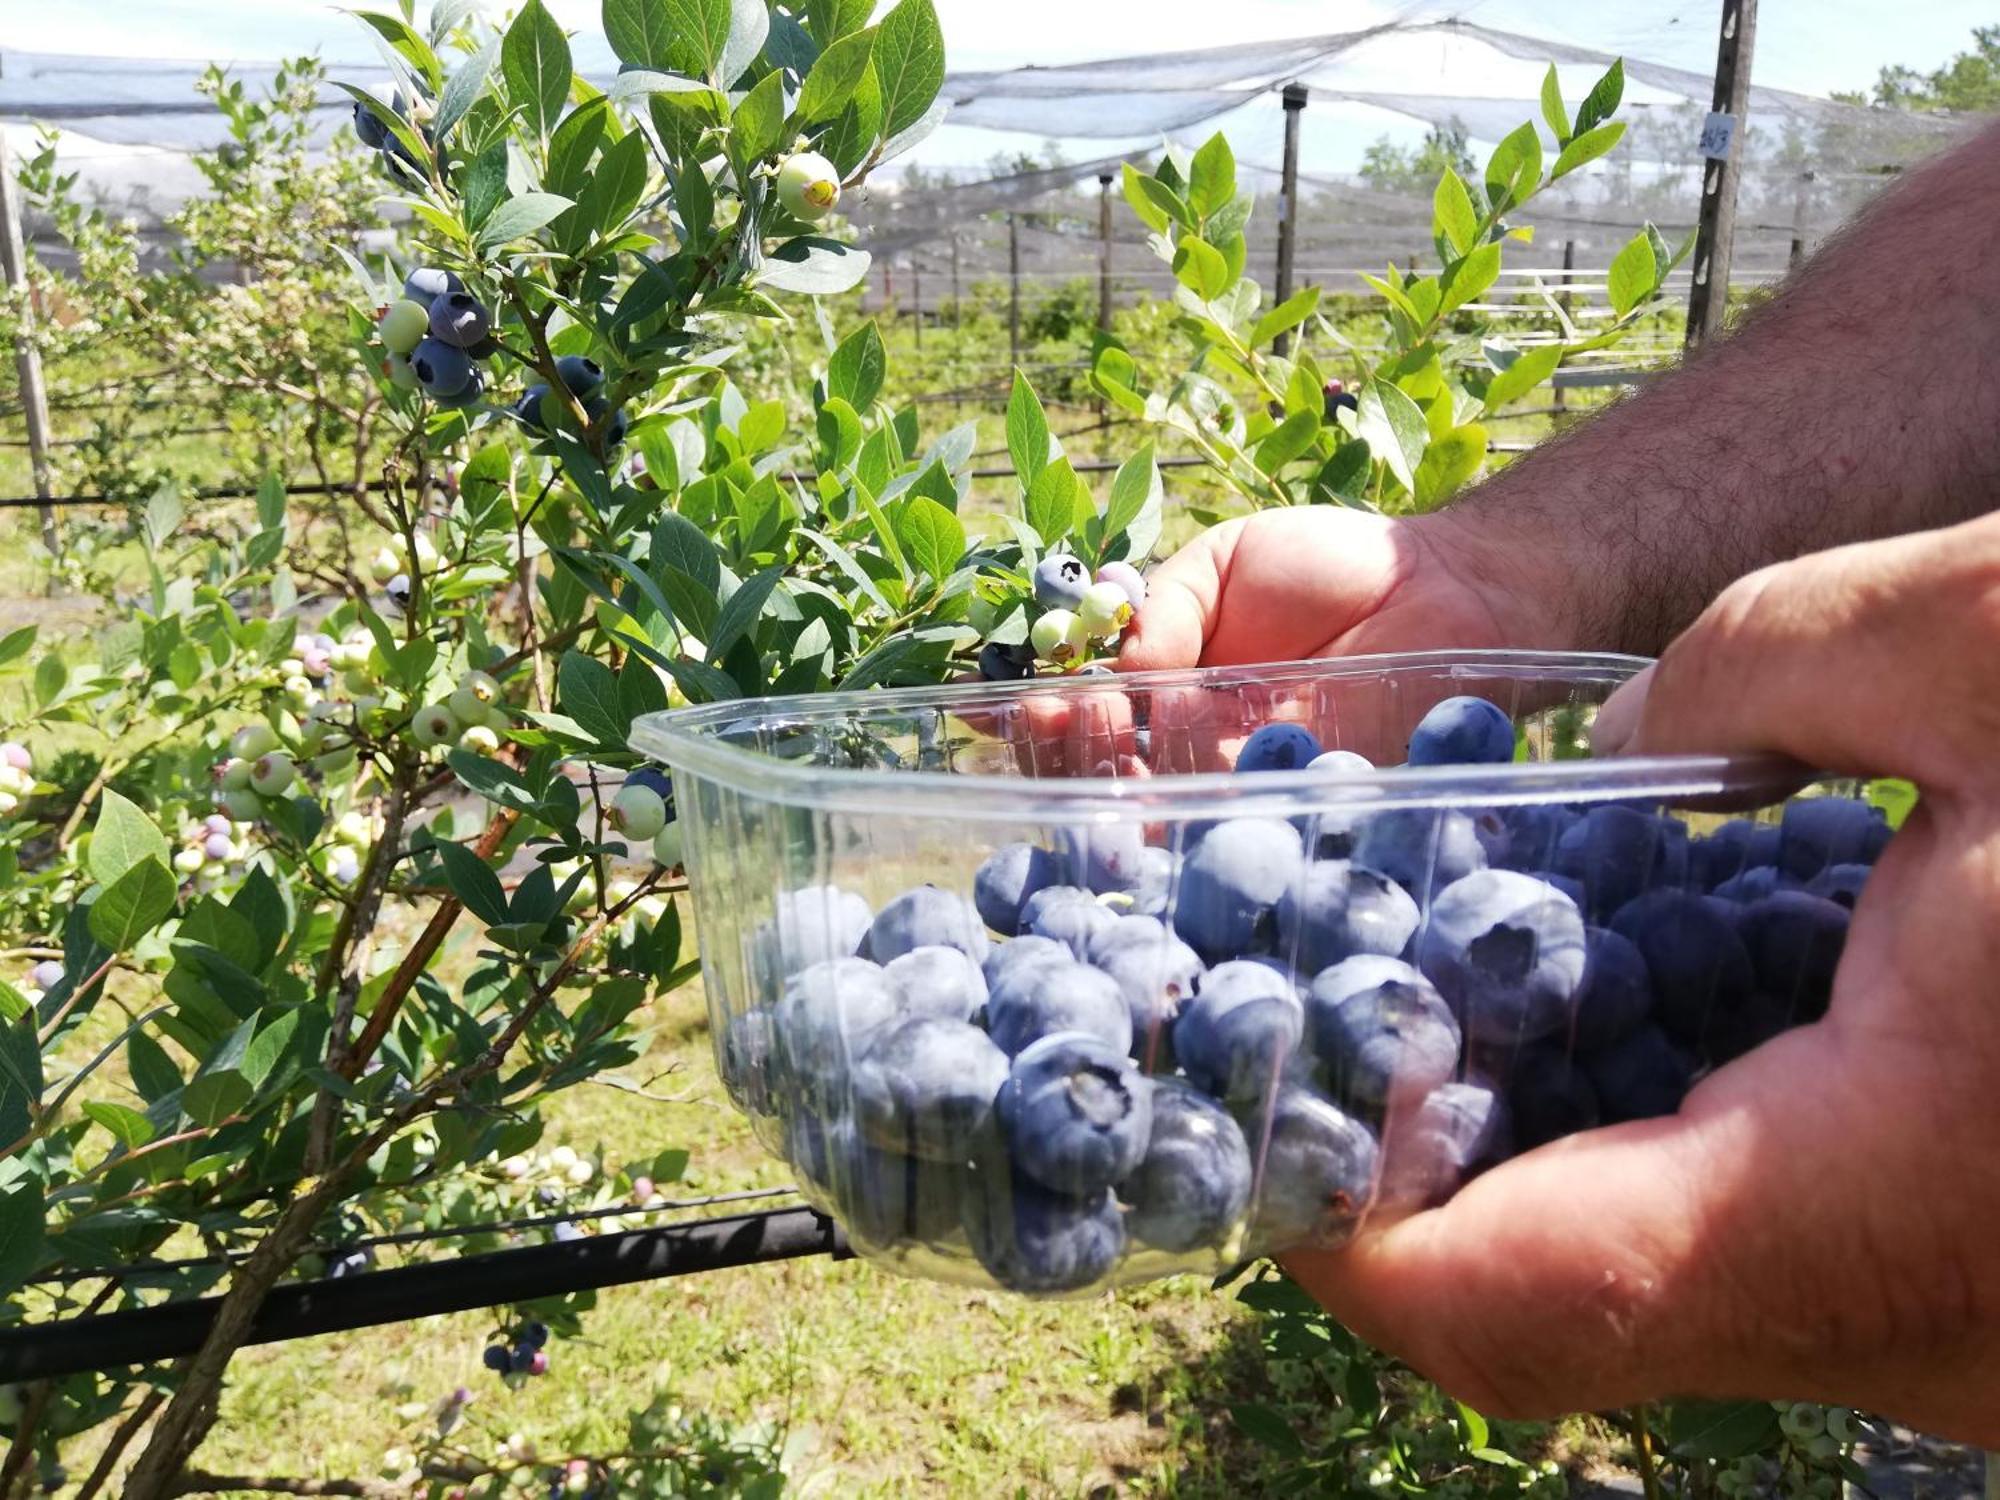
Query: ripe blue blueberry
{"points": [[1231, 883], [1006, 879], [1620, 852], [1616, 997], [1822, 831], [566, 1232], [1381, 1031], [1334, 911], [1695, 954], [886, 1200], [1033, 1240], [1106, 857], [1459, 1130], [1745, 1026], [580, 375], [808, 926], [1840, 884], [615, 427], [1345, 761], [1157, 973], [1757, 882], [1076, 1114], [428, 283], [1003, 663], [1549, 1096], [369, 128], [1026, 949], [1507, 952], [1735, 847], [1278, 747], [1034, 1000], [1421, 849], [1067, 913], [827, 1016], [1523, 838], [527, 408], [535, 1335], [1234, 1040], [460, 319], [1061, 581], [923, 918], [745, 1054], [1795, 941], [937, 982], [442, 370], [1192, 1186], [926, 1088], [496, 1359], [1318, 1174], [1640, 1078], [1159, 874], [1463, 732]]}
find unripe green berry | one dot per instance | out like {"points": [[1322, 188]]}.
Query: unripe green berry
{"points": [[667, 846], [433, 725], [1059, 637], [235, 775], [385, 565], [403, 326], [809, 186], [272, 774], [479, 739], [241, 803], [638, 812], [253, 740], [1106, 609], [189, 861]]}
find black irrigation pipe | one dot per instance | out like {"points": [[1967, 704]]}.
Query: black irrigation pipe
{"points": [[229, 492], [147, 1335]]}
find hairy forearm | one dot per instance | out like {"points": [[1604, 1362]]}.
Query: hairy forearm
{"points": [[1862, 401]]}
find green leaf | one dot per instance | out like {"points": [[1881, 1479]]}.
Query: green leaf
{"points": [[51, 677], [20, 1077], [1449, 462], [1522, 376], [154, 1074], [1200, 267], [614, 189], [1602, 100], [1897, 799], [1634, 274], [909, 63], [587, 691], [1212, 177], [534, 59], [741, 611], [1514, 169], [1050, 505], [462, 89], [932, 536], [1027, 431], [17, 644], [858, 367], [21, 1234], [472, 880], [211, 1097], [677, 542], [1474, 1425], [483, 183], [685, 36], [1266, 1428], [401, 36], [759, 120], [1286, 316], [133, 905], [834, 78], [1586, 148], [121, 838], [127, 1125], [1719, 1430], [522, 216], [1553, 108], [1452, 213], [749, 25], [571, 146], [273, 1043], [1288, 440], [1134, 489], [1465, 279], [1393, 426], [1152, 213], [815, 266]]}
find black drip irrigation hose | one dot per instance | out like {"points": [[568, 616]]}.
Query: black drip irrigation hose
{"points": [[299, 1310]]}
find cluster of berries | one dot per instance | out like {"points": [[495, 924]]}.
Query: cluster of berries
{"points": [[1078, 610], [521, 1357], [436, 337], [539, 412], [208, 851], [256, 769], [17, 775]]}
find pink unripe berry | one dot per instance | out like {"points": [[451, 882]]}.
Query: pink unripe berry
{"points": [[16, 755], [539, 1364]]}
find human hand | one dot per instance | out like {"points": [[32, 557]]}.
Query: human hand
{"points": [[1822, 1219]]}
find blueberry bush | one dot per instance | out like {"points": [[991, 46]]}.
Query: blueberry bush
{"points": [[314, 749]]}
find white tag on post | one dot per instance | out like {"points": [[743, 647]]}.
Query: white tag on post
{"points": [[1718, 134]]}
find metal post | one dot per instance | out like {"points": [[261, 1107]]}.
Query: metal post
{"points": [[1993, 1476], [1288, 203], [1799, 207], [917, 297], [1104, 251], [1563, 298], [27, 356], [1715, 240], [1013, 289], [889, 290], [955, 298]]}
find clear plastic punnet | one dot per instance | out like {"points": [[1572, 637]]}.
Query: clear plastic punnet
{"points": [[1076, 982]]}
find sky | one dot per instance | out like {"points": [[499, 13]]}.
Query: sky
{"points": [[1811, 46]]}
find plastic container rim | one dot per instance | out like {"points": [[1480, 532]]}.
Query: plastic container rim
{"points": [[684, 740]]}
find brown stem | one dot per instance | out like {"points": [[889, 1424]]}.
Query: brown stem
{"points": [[22, 1451], [114, 1450], [197, 1483]]}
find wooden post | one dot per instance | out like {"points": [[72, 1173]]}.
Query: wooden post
{"points": [[1715, 238], [917, 297], [1563, 297], [956, 301], [888, 288], [1294, 99], [1799, 205], [1104, 251], [27, 356], [1013, 290]]}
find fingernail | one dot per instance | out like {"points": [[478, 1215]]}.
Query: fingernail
{"points": [[1618, 720]]}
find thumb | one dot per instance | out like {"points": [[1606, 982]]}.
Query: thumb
{"points": [[1183, 595]]}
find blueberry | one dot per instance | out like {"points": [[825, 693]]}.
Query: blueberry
{"points": [[1029, 948], [1128, 578], [937, 982], [1035, 1000], [1695, 955], [428, 283], [443, 370], [1735, 847], [747, 1049], [1421, 849], [1463, 732], [1002, 663], [827, 1016], [1459, 1130], [1069, 914], [1332, 832], [1076, 1114], [1795, 942], [1193, 1184], [884, 1199], [1105, 857], [1231, 884], [527, 408], [496, 1358], [1507, 952], [459, 319], [350, 1262], [1006, 879], [1642, 1077], [1345, 761], [1157, 975], [615, 429], [1061, 581], [369, 127], [535, 1335], [1381, 1031], [1757, 882], [1335, 911], [653, 780], [1549, 1096], [1620, 852], [1159, 874], [1278, 747], [566, 1232], [1744, 1026], [1822, 831], [809, 926], [1840, 884], [1616, 996], [1317, 1174], [521, 1359], [1030, 1239], [580, 374], [925, 918], [1523, 838], [926, 1088], [1234, 1040]]}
